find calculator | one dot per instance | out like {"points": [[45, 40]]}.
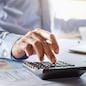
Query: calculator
{"points": [[46, 70]]}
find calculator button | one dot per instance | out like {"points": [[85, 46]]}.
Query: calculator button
{"points": [[46, 65]]}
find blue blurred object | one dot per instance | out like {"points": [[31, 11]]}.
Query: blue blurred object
{"points": [[3, 15], [12, 11], [10, 27]]}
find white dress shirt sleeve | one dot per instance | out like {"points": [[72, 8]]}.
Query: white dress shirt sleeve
{"points": [[7, 40]]}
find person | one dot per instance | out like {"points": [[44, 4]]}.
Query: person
{"points": [[20, 47], [19, 17]]}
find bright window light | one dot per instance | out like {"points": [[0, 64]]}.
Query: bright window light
{"points": [[66, 9]]}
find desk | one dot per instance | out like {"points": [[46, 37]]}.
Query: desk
{"points": [[32, 80]]}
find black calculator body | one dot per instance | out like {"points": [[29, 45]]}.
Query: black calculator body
{"points": [[46, 70]]}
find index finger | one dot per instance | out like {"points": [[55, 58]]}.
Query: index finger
{"points": [[49, 36], [47, 49]]}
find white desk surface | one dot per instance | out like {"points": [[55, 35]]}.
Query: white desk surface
{"points": [[35, 81]]}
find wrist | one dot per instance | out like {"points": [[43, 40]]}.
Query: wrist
{"points": [[21, 58]]}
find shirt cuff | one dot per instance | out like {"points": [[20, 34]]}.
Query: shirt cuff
{"points": [[7, 44], [19, 59]]}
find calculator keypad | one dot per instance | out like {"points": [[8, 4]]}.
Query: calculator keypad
{"points": [[46, 65]]}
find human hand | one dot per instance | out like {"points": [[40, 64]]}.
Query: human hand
{"points": [[38, 42]]}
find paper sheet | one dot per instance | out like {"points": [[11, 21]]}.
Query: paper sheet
{"points": [[5, 65]]}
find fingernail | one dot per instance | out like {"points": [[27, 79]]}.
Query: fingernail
{"points": [[56, 51], [53, 60], [41, 59]]}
